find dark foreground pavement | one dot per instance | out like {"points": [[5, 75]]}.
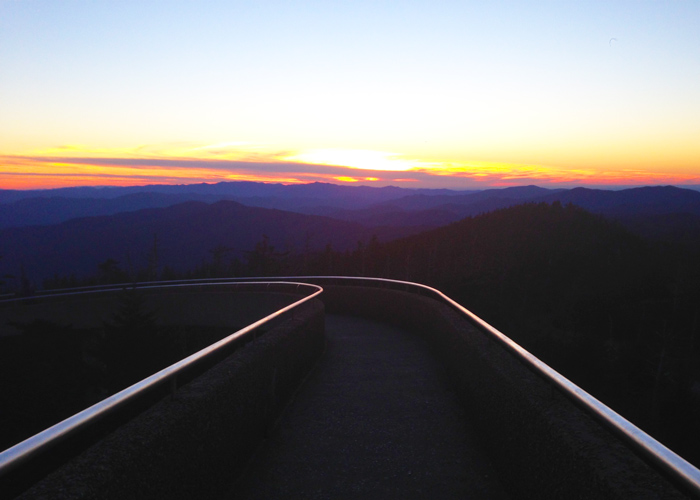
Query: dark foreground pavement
{"points": [[376, 419]]}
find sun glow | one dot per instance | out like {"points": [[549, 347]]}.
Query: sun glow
{"points": [[344, 178], [358, 158], [182, 162]]}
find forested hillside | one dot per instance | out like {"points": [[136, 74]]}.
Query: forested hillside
{"points": [[163, 242], [612, 311]]}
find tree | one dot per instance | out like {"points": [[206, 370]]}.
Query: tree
{"points": [[219, 267], [3, 282], [152, 260], [263, 260], [25, 285], [110, 272]]}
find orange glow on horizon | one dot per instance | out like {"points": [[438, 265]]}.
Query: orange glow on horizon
{"points": [[23, 173], [355, 179], [360, 159], [183, 163]]}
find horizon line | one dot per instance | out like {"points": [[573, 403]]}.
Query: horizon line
{"points": [[551, 187]]}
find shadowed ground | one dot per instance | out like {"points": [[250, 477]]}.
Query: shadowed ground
{"points": [[376, 419]]}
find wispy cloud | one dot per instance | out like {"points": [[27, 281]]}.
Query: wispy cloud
{"points": [[189, 163]]}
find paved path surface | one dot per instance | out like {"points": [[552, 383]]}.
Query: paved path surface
{"points": [[376, 419]]}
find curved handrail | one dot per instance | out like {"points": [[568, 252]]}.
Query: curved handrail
{"points": [[654, 451], [143, 285], [660, 455], [37, 444]]}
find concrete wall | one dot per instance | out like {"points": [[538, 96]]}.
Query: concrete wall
{"points": [[543, 445], [193, 445]]}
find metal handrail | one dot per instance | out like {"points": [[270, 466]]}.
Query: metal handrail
{"points": [[644, 444], [48, 438], [657, 453], [112, 287]]}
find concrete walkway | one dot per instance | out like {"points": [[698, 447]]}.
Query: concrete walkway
{"points": [[376, 419]]}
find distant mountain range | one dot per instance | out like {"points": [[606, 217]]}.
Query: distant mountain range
{"points": [[240, 189], [41, 207], [74, 229], [362, 204], [186, 233]]}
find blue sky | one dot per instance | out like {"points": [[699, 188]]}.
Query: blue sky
{"points": [[463, 93]]}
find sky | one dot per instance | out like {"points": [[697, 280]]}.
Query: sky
{"points": [[454, 94]]}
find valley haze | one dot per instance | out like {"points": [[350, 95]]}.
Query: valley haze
{"points": [[70, 231]]}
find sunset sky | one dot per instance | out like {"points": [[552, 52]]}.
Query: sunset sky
{"points": [[454, 94]]}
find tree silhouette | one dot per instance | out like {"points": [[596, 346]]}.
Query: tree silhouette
{"points": [[152, 260], [3, 278], [110, 272], [219, 266], [264, 260]]}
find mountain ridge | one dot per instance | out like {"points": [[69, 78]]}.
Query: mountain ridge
{"points": [[186, 234], [398, 206]]}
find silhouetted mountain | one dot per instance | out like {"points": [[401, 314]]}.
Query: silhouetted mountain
{"points": [[363, 204], [546, 242], [432, 209], [637, 208], [517, 194], [678, 229], [662, 213], [637, 201], [185, 235], [387, 215], [643, 200], [45, 211], [40, 207], [616, 314], [369, 206], [244, 189]]}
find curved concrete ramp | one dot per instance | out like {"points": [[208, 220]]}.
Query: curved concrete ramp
{"points": [[376, 419]]}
